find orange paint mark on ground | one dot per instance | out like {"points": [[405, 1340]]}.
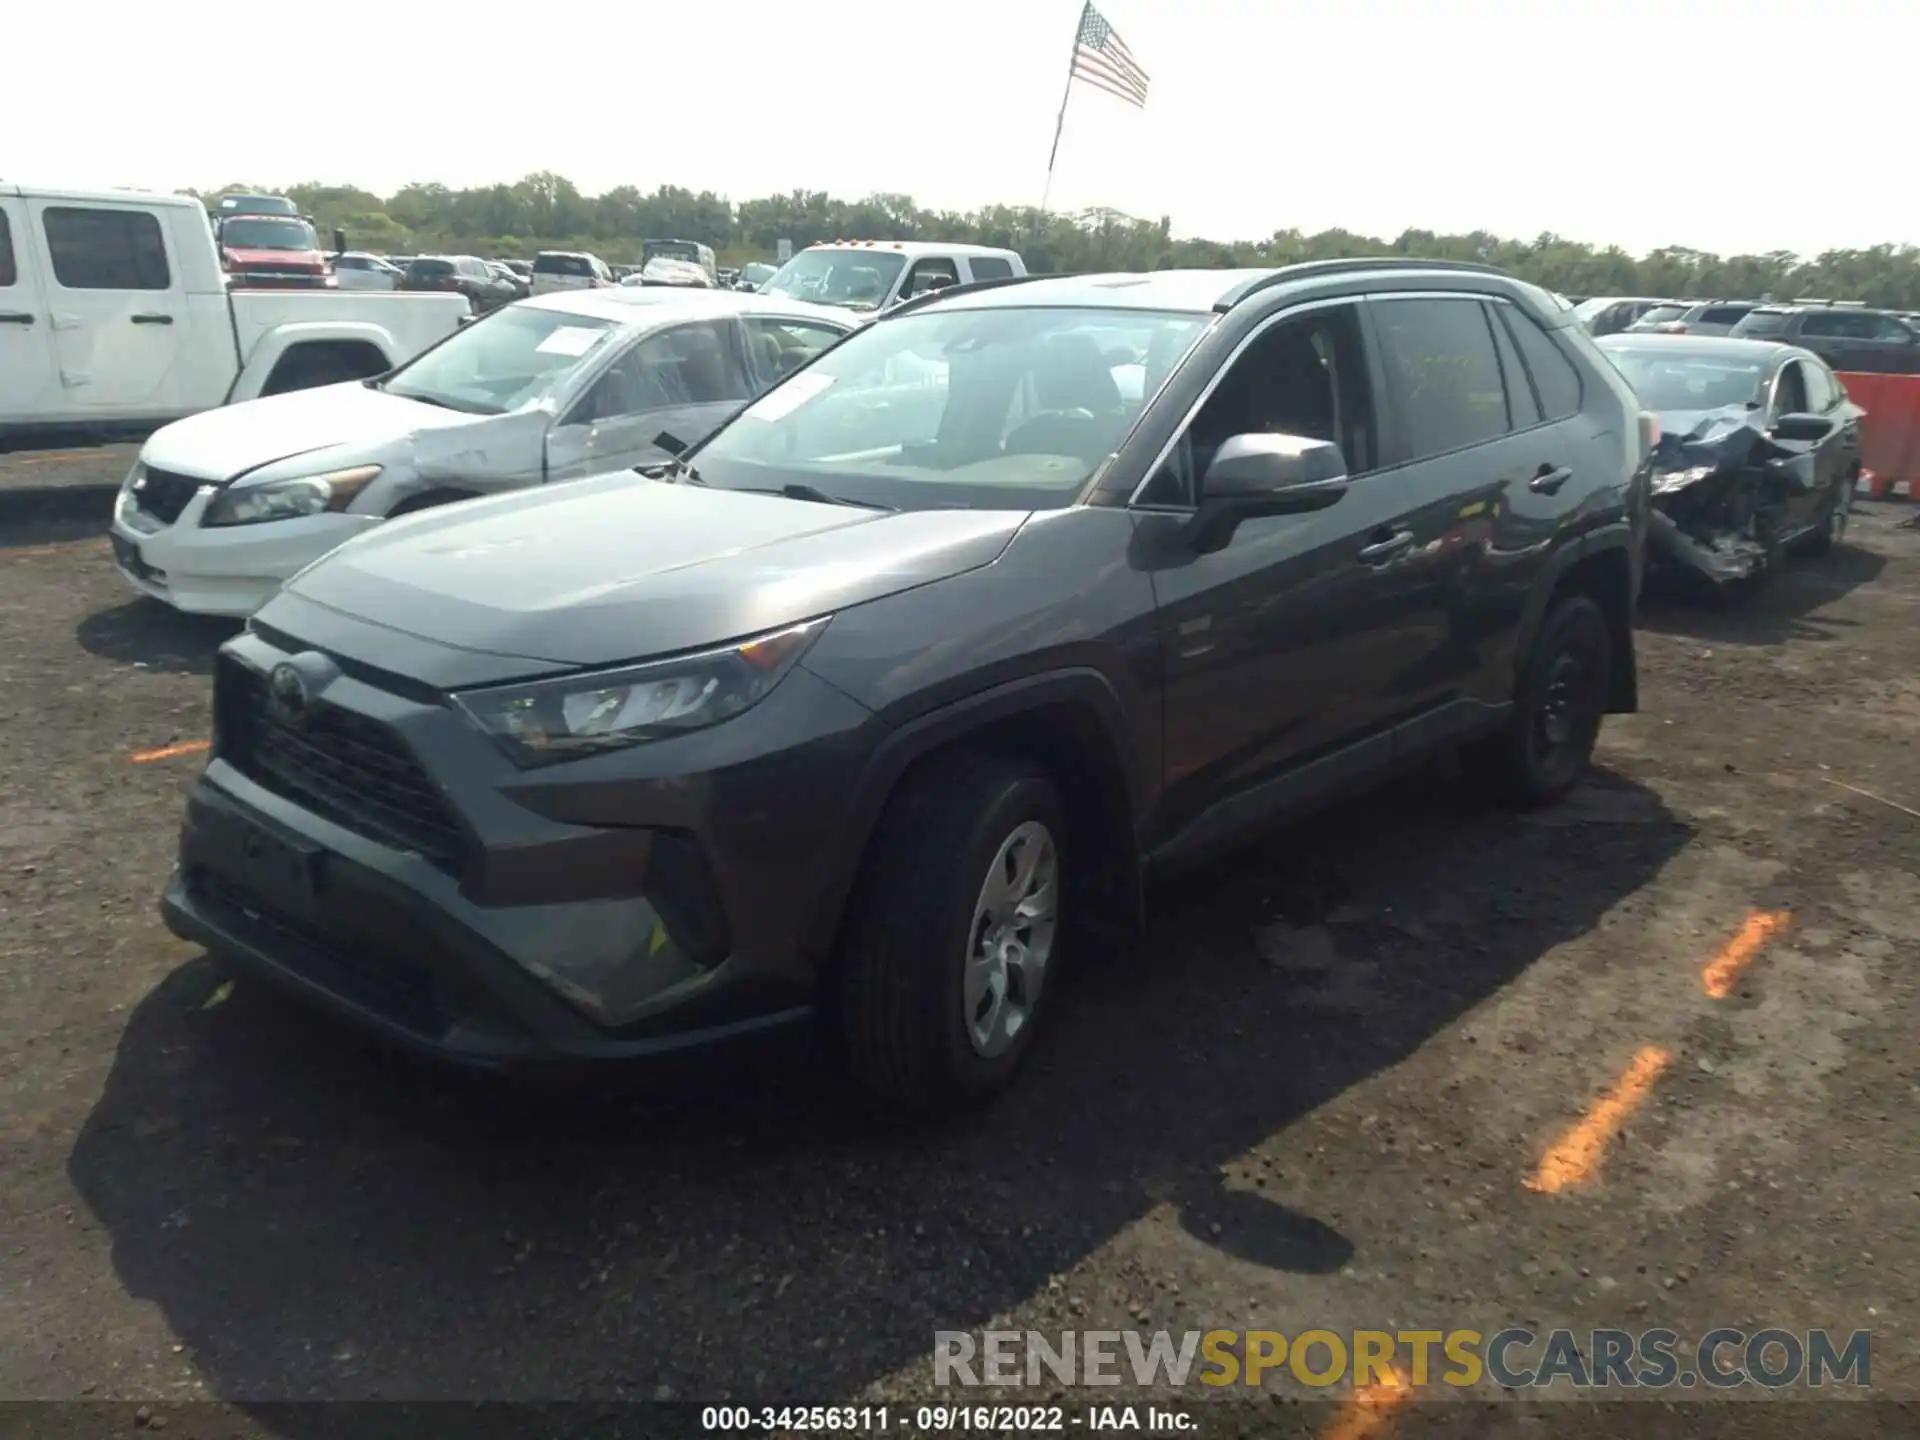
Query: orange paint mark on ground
{"points": [[1577, 1155], [167, 752], [1721, 971], [1370, 1409]]}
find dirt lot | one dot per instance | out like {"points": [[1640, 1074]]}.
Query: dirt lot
{"points": [[1367, 1076]]}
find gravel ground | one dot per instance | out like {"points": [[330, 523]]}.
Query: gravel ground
{"points": [[1326, 1092]]}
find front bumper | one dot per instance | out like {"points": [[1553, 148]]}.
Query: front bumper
{"points": [[654, 923], [223, 570]]}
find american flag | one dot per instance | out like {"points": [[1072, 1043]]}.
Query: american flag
{"points": [[1102, 60]]}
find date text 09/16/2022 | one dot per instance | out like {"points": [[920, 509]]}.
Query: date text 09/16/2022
{"points": [[943, 1419]]}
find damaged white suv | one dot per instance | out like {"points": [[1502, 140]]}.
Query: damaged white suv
{"points": [[223, 507]]}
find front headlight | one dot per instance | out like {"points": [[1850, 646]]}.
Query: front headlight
{"points": [[1668, 481], [289, 499], [542, 722]]}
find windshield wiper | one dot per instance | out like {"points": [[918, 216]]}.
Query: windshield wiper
{"points": [[800, 490]]}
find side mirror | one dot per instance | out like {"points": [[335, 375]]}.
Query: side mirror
{"points": [[467, 319], [1809, 428], [1255, 475]]}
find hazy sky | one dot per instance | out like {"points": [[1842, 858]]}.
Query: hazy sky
{"points": [[1624, 121]]}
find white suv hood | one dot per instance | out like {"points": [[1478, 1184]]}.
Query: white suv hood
{"points": [[220, 444]]}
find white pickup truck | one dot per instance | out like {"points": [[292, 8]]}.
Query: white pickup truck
{"points": [[115, 315]]}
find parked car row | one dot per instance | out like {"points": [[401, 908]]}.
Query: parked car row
{"points": [[1848, 337]]}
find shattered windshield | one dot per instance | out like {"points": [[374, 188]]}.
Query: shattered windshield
{"points": [[1665, 380], [857, 279], [512, 357]]}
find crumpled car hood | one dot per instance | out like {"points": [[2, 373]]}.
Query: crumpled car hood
{"points": [[234, 439], [620, 568]]}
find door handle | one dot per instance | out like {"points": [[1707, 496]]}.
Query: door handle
{"points": [[15, 317], [153, 319], [1549, 480], [1386, 549]]}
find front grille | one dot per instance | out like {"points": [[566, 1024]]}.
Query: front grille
{"points": [[387, 984], [163, 494], [344, 767]]}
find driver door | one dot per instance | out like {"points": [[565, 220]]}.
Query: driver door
{"points": [[684, 380]]}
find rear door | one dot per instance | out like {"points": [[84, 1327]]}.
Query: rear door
{"points": [[117, 308], [32, 389], [684, 380]]}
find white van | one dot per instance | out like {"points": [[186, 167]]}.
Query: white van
{"points": [[873, 275], [569, 270]]}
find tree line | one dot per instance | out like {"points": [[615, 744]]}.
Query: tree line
{"points": [[547, 211]]}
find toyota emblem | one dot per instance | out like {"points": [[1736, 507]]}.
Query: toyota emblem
{"points": [[288, 695]]}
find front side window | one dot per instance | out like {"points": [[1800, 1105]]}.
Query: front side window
{"points": [[1304, 376], [989, 408], [106, 249], [1443, 376], [697, 364], [930, 275], [1822, 392], [9, 273], [511, 358], [1790, 391], [785, 345]]}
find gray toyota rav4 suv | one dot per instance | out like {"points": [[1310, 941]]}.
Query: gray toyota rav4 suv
{"points": [[833, 727]]}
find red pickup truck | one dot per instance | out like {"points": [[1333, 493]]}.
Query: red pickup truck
{"points": [[272, 252]]}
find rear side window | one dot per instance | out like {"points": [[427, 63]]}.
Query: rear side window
{"points": [[990, 267], [1555, 380], [1442, 372], [106, 249], [1766, 322], [1522, 405], [9, 275], [1723, 314], [563, 265], [1834, 322]]}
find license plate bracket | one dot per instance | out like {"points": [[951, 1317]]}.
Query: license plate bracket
{"points": [[283, 870]]}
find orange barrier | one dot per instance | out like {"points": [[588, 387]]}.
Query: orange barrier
{"points": [[1890, 438]]}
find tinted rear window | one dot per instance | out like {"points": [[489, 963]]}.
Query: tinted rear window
{"points": [[990, 267], [1766, 322], [563, 265], [430, 269], [1724, 314]]}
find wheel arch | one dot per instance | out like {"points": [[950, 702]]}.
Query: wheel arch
{"points": [[366, 349], [1069, 722], [1600, 566]]}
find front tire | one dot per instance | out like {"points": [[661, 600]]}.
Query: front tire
{"points": [[953, 936], [1561, 698]]}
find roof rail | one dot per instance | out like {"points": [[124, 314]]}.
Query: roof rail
{"points": [[1307, 268], [969, 287]]}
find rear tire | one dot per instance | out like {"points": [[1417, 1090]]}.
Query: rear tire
{"points": [[1559, 703], [953, 932]]}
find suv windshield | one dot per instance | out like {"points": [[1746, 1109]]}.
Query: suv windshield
{"points": [[563, 265], [266, 232], [498, 364], [1666, 380], [857, 279], [1004, 409], [670, 249]]}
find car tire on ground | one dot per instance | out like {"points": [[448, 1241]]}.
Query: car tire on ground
{"points": [[953, 933], [1831, 532], [1547, 742]]}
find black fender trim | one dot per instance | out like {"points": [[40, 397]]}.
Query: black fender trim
{"points": [[919, 737], [1615, 535]]}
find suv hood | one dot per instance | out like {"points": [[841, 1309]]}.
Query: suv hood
{"points": [[220, 444], [620, 568]]}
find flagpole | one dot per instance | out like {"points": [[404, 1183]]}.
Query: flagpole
{"points": [[1061, 123]]}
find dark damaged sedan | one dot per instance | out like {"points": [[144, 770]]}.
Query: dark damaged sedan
{"points": [[1758, 455]]}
